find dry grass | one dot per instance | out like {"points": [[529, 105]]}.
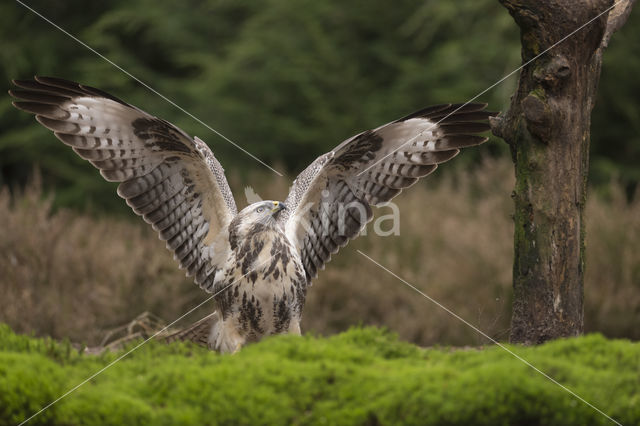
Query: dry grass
{"points": [[612, 285], [68, 275]]}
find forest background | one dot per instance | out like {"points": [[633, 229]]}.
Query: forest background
{"points": [[288, 81]]}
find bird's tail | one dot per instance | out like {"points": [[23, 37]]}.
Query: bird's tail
{"points": [[197, 333]]}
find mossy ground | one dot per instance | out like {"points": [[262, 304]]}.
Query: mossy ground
{"points": [[362, 376]]}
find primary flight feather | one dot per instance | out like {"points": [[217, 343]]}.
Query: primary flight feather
{"points": [[260, 260]]}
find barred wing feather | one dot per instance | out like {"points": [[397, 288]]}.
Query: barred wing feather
{"points": [[170, 179], [330, 201]]}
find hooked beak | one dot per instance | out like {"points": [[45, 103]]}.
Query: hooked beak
{"points": [[277, 208]]}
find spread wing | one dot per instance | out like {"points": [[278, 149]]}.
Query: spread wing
{"points": [[170, 179], [330, 201]]}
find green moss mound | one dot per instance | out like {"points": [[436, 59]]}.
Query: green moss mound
{"points": [[363, 376]]}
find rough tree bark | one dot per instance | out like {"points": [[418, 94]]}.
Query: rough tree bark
{"points": [[547, 128]]}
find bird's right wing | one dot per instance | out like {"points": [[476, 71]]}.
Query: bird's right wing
{"points": [[169, 178]]}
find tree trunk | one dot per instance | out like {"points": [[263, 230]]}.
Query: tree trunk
{"points": [[547, 128]]}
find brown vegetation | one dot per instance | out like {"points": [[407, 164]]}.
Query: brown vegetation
{"points": [[69, 275]]}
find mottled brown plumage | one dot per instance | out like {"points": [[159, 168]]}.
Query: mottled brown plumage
{"points": [[257, 262]]}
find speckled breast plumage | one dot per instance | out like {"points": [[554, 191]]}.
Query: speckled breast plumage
{"points": [[266, 289]]}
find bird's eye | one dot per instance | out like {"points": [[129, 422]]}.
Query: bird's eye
{"points": [[260, 209]]}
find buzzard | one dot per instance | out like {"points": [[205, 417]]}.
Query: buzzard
{"points": [[259, 261]]}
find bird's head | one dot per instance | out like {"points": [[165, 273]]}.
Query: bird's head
{"points": [[263, 213]]}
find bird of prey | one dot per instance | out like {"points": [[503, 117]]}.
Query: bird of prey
{"points": [[258, 262]]}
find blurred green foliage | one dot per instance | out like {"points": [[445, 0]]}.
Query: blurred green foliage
{"points": [[362, 376], [286, 80]]}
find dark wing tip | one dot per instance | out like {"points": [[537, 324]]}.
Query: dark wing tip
{"points": [[82, 88], [50, 86], [465, 126], [54, 81], [25, 84], [59, 83], [63, 88]]}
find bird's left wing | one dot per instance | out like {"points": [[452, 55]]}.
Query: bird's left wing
{"points": [[330, 201], [169, 178]]}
